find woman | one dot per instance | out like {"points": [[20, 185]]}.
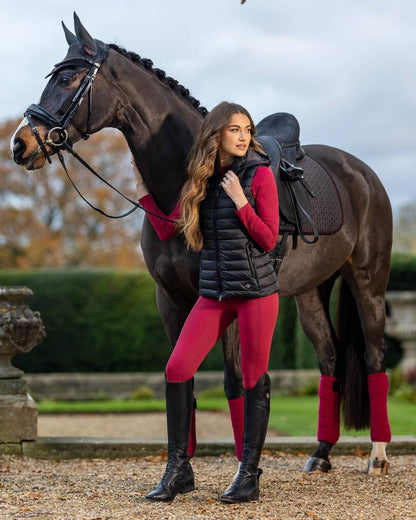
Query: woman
{"points": [[228, 211]]}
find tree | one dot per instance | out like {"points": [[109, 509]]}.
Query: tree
{"points": [[46, 224]]}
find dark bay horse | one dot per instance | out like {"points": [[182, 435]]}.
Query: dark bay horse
{"points": [[159, 119]]}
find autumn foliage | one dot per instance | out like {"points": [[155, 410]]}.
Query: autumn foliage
{"points": [[44, 223]]}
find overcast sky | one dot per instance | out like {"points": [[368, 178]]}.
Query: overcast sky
{"points": [[345, 69]]}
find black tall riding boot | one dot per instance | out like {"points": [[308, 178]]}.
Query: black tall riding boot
{"points": [[178, 477], [256, 418]]}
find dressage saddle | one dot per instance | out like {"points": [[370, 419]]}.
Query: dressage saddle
{"points": [[309, 202], [279, 136]]}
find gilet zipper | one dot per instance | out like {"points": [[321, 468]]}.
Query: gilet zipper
{"points": [[217, 246]]}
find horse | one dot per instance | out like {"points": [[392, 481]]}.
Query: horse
{"points": [[159, 119]]}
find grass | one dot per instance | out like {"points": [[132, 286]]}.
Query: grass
{"points": [[102, 406], [289, 415]]}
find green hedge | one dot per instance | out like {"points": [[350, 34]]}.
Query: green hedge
{"points": [[403, 273], [107, 321], [96, 321]]}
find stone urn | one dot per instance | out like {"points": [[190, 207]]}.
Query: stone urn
{"points": [[21, 330], [401, 324]]}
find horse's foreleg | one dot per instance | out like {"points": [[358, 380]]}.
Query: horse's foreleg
{"points": [[233, 384], [313, 309]]}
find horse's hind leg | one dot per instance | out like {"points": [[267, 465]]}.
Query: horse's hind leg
{"points": [[368, 287], [313, 309], [367, 274]]}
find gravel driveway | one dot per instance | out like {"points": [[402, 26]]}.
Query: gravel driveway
{"points": [[115, 489], [102, 489]]}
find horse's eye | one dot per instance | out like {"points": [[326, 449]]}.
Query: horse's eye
{"points": [[65, 81]]}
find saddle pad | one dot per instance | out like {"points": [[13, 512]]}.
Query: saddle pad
{"points": [[326, 204]]}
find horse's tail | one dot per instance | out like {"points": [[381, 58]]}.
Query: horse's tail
{"points": [[351, 367]]}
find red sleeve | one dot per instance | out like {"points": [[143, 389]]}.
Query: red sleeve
{"points": [[164, 228], [262, 224]]}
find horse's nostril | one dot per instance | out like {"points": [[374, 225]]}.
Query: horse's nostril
{"points": [[19, 148]]}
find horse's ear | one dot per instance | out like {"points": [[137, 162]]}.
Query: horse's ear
{"points": [[84, 38], [70, 37]]}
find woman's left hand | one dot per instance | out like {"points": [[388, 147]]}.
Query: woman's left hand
{"points": [[232, 187]]}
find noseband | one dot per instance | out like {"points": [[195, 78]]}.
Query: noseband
{"points": [[59, 125]]}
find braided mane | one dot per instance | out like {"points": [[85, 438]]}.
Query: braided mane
{"points": [[161, 75]]}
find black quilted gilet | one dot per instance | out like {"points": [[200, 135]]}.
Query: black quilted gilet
{"points": [[232, 265]]}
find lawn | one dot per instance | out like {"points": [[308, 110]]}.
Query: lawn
{"points": [[289, 415]]}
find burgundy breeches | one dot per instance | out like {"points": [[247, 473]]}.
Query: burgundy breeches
{"points": [[208, 321]]}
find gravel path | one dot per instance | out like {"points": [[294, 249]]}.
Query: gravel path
{"points": [[115, 489], [209, 425]]}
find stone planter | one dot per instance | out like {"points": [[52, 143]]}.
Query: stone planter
{"points": [[21, 329], [401, 324]]}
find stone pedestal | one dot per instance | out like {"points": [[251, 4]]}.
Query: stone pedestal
{"points": [[401, 324], [18, 412], [20, 330]]}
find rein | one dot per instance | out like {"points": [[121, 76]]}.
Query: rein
{"points": [[136, 205], [59, 126]]}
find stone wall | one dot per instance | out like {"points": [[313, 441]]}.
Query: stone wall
{"points": [[81, 386]]}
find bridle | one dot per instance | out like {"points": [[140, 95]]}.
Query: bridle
{"points": [[59, 125]]}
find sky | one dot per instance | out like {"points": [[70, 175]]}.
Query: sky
{"points": [[346, 70]]}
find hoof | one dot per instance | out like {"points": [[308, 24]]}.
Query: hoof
{"points": [[378, 466], [317, 464]]}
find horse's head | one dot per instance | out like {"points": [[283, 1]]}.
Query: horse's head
{"points": [[67, 111]]}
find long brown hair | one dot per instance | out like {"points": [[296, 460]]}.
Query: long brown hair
{"points": [[201, 166]]}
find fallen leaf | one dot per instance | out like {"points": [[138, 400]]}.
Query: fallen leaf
{"points": [[360, 453], [162, 457]]}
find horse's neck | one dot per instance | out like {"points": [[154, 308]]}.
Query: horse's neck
{"points": [[159, 128]]}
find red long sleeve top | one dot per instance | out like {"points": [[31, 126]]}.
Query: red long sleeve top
{"points": [[262, 224]]}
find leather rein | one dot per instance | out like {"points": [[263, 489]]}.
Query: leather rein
{"points": [[57, 137]]}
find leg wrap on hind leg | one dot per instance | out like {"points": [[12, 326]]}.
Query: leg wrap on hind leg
{"points": [[378, 387], [329, 403]]}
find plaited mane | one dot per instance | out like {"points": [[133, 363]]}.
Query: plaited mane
{"points": [[179, 89]]}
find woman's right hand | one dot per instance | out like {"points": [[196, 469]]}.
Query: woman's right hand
{"points": [[140, 184]]}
